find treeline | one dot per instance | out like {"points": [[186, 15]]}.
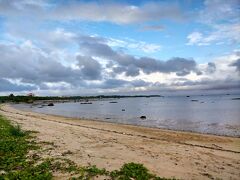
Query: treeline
{"points": [[31, 99]]}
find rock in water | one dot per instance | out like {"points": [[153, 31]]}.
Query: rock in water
{"points": [[50, 104], [143, 117]]}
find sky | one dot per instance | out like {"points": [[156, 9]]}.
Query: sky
{"points": [[60, 47]]}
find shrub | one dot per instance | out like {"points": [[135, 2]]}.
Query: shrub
{"points": [[16, 131]]}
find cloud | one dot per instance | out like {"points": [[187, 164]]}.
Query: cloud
{"points": [[118, 13], [224, 33], [90, 68], [153, 28], [216, 11], [236, 64], [194, 38], [31, 64], [98, 67], [222, 19], [211, 68], [209, 84], [6, 85], [131, 65], [133, 44], [120, 84]]}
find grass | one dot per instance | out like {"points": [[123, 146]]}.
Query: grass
{"points": [[14, 147], [15, 163]]}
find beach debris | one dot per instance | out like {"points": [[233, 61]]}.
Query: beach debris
{"points": [[143, 117], [107, 118], [50, 104], [113, 102]]}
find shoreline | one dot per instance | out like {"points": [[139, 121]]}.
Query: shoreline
{"points": [[167, 153], [100, 121], [134, 125], [213, 124]]}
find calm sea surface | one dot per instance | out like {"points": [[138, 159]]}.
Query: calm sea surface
{"points": [[215, 114]]}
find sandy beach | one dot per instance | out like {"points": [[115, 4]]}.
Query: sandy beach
{"points": [[166, 153]]}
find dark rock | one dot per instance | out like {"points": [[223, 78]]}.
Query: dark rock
{"points": [[143, 117], [50, 104], [235, 98], [86, 103], [194, 100], [123, 109], [113, 102]]}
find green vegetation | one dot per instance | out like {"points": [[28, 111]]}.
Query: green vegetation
{"points": [[135, 171], [31, 99], [14, 147], [16, 161]]}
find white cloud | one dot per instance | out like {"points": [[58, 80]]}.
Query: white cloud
{"points": [[133, 44], [224, 33], [223, 20], [217, 10], [194, 38], [119, 13]]}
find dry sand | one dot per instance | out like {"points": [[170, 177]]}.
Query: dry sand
{"points": [[166, 153]]}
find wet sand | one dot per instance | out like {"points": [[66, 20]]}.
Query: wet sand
{"points": [[166, 153]]}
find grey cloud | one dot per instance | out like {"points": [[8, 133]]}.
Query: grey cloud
{"points": [[208, 84], [130, 70], [211, 68], [132, 65], [6, 85], [90, 68], [113, 83], [119, 83], [140, 83], [179, 65], [203, 84], [236, 64], [31, 65]]}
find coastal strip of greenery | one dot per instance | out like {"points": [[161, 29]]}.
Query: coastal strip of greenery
{"points": [[31, 98], [17, 163]]}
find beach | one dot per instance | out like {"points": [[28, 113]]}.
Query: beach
{"points": [[167, 153]]}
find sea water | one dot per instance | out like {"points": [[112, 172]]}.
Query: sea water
{"points": [[213, 114]]}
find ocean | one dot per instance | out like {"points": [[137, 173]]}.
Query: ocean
{"points": [[213, 114]]}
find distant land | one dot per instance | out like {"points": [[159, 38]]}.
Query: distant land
{"points": [[31, 98]]}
